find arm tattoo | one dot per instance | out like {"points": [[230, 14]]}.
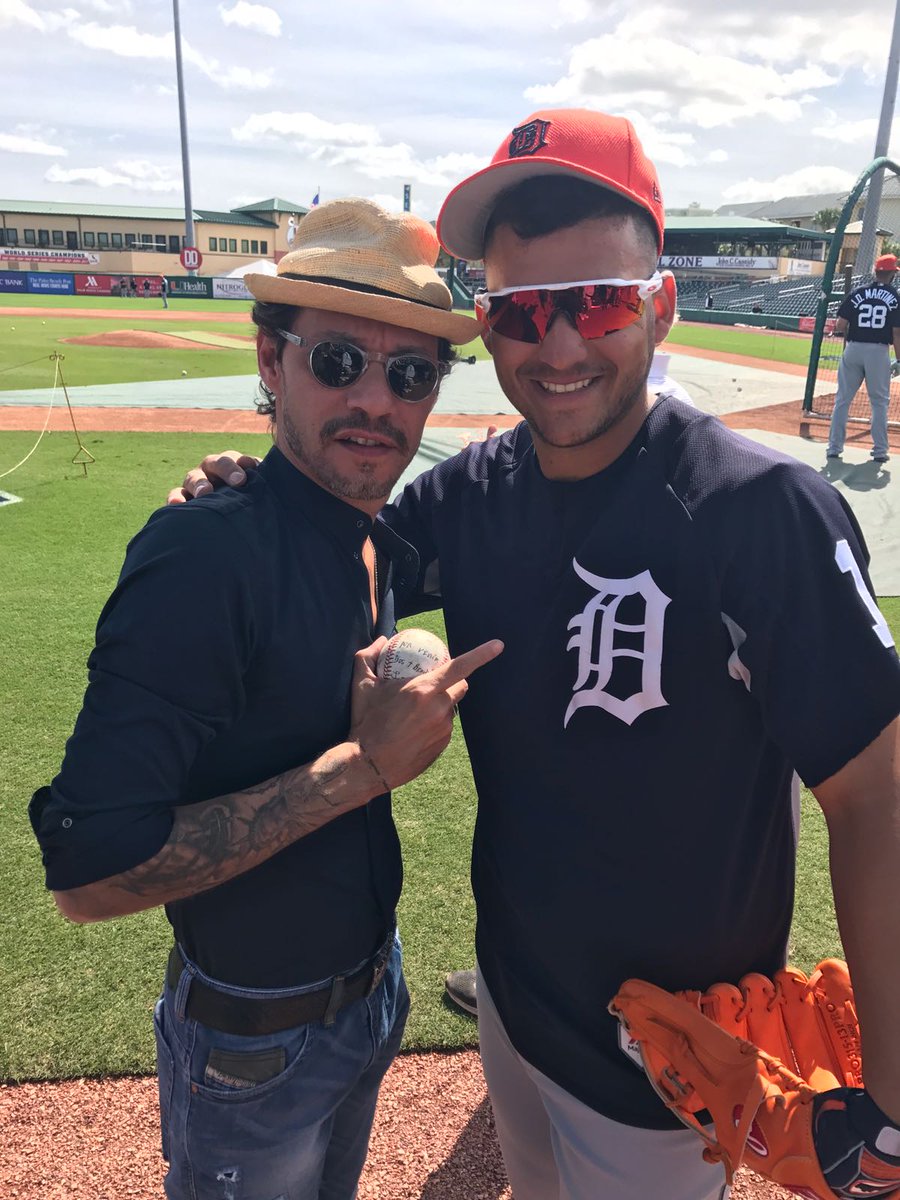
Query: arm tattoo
{"points": [[215, 840]]}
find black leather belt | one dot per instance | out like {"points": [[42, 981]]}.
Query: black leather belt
{"points": [[255, 1017]]}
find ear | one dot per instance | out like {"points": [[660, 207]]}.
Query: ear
{"points": [[664, 307], [267, 360]]}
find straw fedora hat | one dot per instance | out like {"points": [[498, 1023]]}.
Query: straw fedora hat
{"points": [[351, 256]]}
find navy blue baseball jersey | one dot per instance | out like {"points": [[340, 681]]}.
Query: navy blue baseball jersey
{"points": [[683, 630], [873, 313]]}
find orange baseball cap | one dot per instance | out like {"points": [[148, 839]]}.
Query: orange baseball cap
{"points": [[563, 141], [887, 262]]}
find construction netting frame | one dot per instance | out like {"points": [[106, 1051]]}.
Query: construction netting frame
{"points": [[823, 365]]}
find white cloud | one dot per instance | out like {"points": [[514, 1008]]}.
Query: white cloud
{"points": [[257, 17], [110, 8], [17, 12], [804, 182], [847, 132], [717, 156], [128, 42], [136, 175], [304, 127], [660, 75], [344, 144], [124, 40], [392, 201], [16, 144]]}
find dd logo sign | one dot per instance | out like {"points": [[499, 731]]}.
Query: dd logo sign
{"points": [[191, 258]]}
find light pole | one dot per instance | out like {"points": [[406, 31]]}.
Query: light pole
{"points": [[866, 252], [185, 154]]}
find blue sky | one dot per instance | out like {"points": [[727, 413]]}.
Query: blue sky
{"points": [[735, 101]]}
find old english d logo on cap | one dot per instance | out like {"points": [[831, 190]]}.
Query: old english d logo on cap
{"points": [[528, 139]]}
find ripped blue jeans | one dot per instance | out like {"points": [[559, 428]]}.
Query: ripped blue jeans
{"points": [[286, 1116]]}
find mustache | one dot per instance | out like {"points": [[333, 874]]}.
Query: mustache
{"points": [[361, 423]]}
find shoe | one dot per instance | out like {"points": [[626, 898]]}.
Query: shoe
{"points": [[834, 454], [460, 989], [881, 458]]}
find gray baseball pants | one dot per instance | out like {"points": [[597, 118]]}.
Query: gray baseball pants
{"points": [[556, 1148], [872, 362]]}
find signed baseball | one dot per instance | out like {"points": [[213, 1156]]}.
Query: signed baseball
{"points": [[412, 652]]}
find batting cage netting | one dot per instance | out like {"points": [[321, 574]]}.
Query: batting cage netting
{"points": [[840, 278]]}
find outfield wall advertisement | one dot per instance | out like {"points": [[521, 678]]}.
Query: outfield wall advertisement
{"points": [[716, 262], [50, 281], [13, 281], [190, 286], [230, 289], [84, 284]]}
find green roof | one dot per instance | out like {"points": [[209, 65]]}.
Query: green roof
{"points": [[54, 208], [231, 218], [128, 212], [753, 227], [274, 205]]}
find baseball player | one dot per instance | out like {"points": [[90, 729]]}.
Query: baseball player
{"points": [[688, 620], [869, 318]]}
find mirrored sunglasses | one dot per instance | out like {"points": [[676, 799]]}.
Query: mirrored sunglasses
{"points": [[595, 307], [411, 377]]}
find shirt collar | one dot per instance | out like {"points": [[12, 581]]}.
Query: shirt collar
{"points": [[298, 493]]}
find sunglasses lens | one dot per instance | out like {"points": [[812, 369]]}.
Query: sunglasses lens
{"points": [[336, 364], [595, 309], [605, 308], [521, 316], [412, 377]]}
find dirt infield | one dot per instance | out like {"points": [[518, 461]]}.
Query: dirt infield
{"points": [[138, 314], [434, 1139], [189, 420], [136, 339]]}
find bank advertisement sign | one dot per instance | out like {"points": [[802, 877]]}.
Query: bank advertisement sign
{"points": [[50, 281], [230, 289], [13, 281]]}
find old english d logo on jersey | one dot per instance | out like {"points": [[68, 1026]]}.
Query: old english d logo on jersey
{"points": [[528, 139], [598, 630]]}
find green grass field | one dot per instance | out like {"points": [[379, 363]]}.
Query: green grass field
{"points": [[774, 347], [76, 1000], [26, 343]]}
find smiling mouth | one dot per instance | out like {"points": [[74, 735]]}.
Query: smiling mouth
{"points": [[559, 388]]}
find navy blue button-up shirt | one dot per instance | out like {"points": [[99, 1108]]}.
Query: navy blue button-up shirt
{"points": [[225, 657]]}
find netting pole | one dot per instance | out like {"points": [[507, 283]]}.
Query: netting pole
{"points": [[837, 240]]}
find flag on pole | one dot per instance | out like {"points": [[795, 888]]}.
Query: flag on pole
{"points": [[315, 199]]}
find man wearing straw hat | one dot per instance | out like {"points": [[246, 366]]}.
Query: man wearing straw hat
{"points": [[236, 766]]}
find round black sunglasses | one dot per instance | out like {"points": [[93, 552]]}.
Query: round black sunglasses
{"points": [[411, 377]]}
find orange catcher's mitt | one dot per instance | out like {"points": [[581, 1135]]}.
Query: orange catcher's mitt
{"points": [[777, 1064]]}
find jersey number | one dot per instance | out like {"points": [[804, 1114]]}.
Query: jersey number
{"points": [[843, 556], [872, 316]]}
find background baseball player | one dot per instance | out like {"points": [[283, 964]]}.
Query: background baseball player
{"points": [[869, 318]]}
